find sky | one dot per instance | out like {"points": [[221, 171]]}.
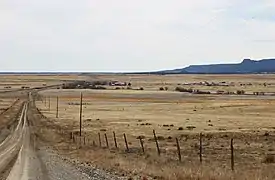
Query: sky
{"points": [[130, 35]]}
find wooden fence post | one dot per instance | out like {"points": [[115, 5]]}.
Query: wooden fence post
{"points": [[200, 147], [49, 103], [141, 144], [84, 139], [115, 139], [80, 114], [106, 138], [57, 102], [178, 147], [73, 138], [71, 135], [232, 155], [156, 140], [126, 143], [99, 139]]}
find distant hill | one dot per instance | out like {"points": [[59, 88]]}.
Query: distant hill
{"points": [[247, 66]]}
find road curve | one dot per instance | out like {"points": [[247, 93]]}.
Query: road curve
{"points": [[38, 164]]}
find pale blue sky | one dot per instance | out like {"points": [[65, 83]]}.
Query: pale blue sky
{"points": [[128, 35]]}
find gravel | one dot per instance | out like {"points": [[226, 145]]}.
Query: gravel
{"points": [[57, 168]]}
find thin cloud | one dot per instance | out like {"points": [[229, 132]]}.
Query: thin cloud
{"points": [[127, 35]]}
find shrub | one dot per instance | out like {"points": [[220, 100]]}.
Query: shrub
{"points": [[190, 127], [141, 88], [180, 89], [166, 88], [160, 138], [269, 158], [161, 89], [240, 92], [141, 137]]}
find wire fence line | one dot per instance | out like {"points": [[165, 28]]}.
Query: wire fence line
{"points": [[202, 147], [107, 142]]}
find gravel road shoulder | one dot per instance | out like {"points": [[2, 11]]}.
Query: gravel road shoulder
{"points": [[58, 167]]}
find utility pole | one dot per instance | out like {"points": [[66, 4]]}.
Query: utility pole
{"points": [[57, 106], [80, 115]]}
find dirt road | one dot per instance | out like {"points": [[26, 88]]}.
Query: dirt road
{"points": [[41, 163]]}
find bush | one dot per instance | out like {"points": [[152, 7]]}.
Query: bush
{"points": [[161, 89], [180, 89], [190, 127], [166, 88], [141, 88], [269, 158], [240, 92], [141, 137], [160, 138]]}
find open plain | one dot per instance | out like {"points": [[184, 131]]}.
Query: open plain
{"points": [[151, 103]]}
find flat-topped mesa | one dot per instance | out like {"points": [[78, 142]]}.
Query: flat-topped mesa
{"points": [[248, 61], [245, 67]]}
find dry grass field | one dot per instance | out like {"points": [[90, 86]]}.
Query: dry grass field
{"points": [[154, 82], [249, 119], [16, 81]]}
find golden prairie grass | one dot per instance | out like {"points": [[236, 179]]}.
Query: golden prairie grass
{"points": [[249, 120]]}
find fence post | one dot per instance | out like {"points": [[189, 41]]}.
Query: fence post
{"points": [[232, 155], [49, 103], [80, 114], [99, 139], [94, 143], [141, 144], [57, 102], [115, 139], [157, 144], [84, 139], [178, 147], [126, 143], [106, 138], [200, 147], [71, 135]]}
